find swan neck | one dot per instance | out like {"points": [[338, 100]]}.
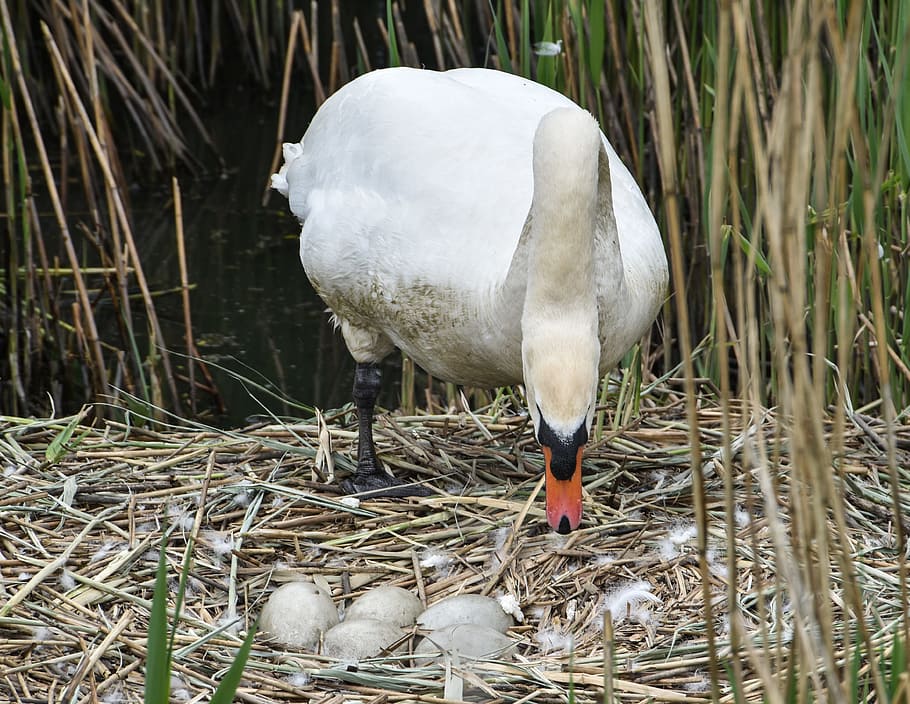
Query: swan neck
{"points": [[561, 261]]}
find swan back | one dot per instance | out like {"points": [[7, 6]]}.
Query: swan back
{"points": [[392, 178]]}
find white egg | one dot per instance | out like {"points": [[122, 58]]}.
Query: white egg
{"points": [[468, 641], [465, 608], [298, 613], [358, 639], [391, 604]]}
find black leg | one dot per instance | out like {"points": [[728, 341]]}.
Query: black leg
{"points": [[367, 378], [371, 478]]}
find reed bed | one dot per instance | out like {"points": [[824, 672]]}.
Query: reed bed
{"points": [[85, 507], [771, 141], [98, 97]]}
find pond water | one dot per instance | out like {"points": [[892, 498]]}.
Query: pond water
{"points": [[254, 312]]}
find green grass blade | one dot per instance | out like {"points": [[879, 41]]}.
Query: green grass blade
{"points": [[581, 50], [735, 684], [855, 665], [394, 57], [502, 48], [760, 262], [897, 663], [181, 591], [525, 39], [596, 27], [902, 98], [546, 65], [5, 95], [158, 660], [228, 686], [57, 447]]}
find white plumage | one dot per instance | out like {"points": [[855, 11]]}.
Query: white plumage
{"points": [[484, 225]]}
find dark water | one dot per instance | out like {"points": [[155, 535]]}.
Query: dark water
{"points": [[253, 309]]}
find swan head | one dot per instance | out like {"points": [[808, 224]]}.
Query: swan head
{"points": [[561, 385], [560, 345]]}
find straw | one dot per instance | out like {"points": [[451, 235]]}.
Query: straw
{"points": [[77, 558]]}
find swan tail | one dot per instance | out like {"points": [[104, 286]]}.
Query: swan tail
{"points": [[292, 151]]}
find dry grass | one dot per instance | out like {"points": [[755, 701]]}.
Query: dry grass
{"points": [[78, 539]]}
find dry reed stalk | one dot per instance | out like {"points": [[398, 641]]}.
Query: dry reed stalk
{"points": [[618, 59], [573, 83], [846, 58], [340, 72], [119, 262], [407, 397], [609, 659], [297, 22], [311, 51], [433, 24], [191, 351], [460, 53], [455, 17], [668, 170], [362, 47], [715, 227], [261, 53], [406, 48], [6, 141], [766, 482], [692, 92], [154, 57]]}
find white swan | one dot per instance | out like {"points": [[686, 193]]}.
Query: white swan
{"points": [[484, 225]]}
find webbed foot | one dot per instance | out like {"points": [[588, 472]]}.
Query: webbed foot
{"points": [[380, 484]]}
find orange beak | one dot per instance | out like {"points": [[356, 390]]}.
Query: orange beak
{"points": [[563, 496]]}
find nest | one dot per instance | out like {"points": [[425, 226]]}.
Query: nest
{"points": [[85, 508]]}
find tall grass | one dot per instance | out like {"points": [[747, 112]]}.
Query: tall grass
{"points": [[160, 639], [67, 70]]}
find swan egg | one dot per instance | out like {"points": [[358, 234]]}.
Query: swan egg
{"points": [[465, 608], [358, 639], [387, 603], [298, 613], [464, 640]]}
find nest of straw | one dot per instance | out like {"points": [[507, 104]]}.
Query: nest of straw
{"points": [[79, 538]]}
